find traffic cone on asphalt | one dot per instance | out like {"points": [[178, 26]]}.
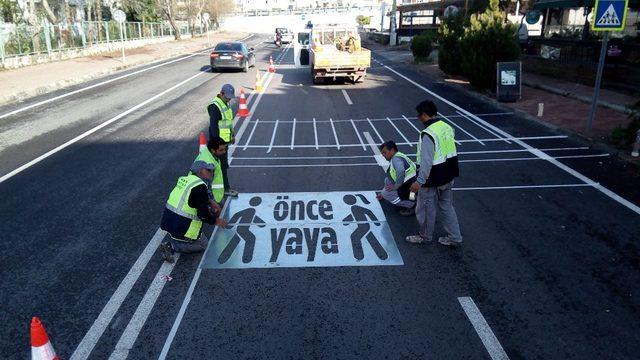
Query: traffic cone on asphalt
{"points": [[272, 68], [41, 348], [203, 142], [242, 109], [258, 86]]}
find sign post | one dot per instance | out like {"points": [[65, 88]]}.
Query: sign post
{"points": [[608, 15], [120, 17]]}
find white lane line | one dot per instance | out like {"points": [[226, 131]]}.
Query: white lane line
{"points": [[381, 119], [187, 297], [244, 125], [485, 114], [517, 187], [131, 332], [98, 327], [346, 97], [535, 158], [489, 340], [398, 130], [335, 134], [17, 111], [304, 165], [315, 132], [255, 125], [93, 130], [359, 138], [293, 133], [375, 130], [376, 153], [463, 130], [631, 206], [523, 150], [410, 123], [482, 126], [273, 136]]}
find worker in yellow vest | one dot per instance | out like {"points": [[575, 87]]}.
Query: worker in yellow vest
{"points": [[186, 211], [400, 175], [214, 152], [221, 125], [438, 161]]}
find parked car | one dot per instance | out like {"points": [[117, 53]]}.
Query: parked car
{"points": [[287, 35], [232, 55]]}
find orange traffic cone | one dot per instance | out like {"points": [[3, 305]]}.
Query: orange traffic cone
{"points": [[242, 110], [203, 142], [258, 86], [272, 68], [41, 348]]}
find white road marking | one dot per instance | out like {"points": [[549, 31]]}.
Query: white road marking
{"points": [[98, 327], [335, 134], [485, 114], [375, 130], [398, 130], [93, 130], [255, 125], [273, 136], [293, 133], [187, 297], [303, 165], [410, 123], [346, 97], [382, 162], [631, 206], [131, 332], [17, 111], [489, 340], [482, 126], [522, 150], [315, 132], [536, 158], [359, 138], [463, 130], [518, 187]]}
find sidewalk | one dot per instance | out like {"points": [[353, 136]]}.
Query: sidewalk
{"points": [[22, 83]]}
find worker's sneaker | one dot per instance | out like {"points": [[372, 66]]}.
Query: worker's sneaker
{"points": [[408, 212], [415, 239], [231, 192], [449, 241], [167, 252]]}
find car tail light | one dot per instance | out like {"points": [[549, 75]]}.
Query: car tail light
{"points": [[213, 56], [238, 56]]}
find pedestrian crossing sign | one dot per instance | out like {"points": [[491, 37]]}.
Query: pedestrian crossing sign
{"points": [[610, 15]]}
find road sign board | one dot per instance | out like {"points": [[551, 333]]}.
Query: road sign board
{"points": [[610, 15], [206, 16], [119, 15]]}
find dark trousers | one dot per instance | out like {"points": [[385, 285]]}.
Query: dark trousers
{"points": [[224, 163]]}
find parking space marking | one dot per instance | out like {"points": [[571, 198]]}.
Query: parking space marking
{"points": [[315, 132], [255, 125], [293, 133], [463, 130], [410, 123], [483, 329], [372, 119], [335, 135], [273, 136], [375, 130], [346, 97], [380, 160], [359, 137], [398, 130]]}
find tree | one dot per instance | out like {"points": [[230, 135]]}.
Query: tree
{"points": [[168, 9], [217, 8], [450, 36]]}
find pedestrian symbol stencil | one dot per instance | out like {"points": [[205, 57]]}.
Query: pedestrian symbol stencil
{"points": [[303, 230], [609, 17]]}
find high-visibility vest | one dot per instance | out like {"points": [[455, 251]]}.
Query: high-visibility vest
{"points": [[179, 204], [217, 183], [409, 172], [444, 139], [225, 124]]}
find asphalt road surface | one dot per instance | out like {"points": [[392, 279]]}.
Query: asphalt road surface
{"points": [[549, 268]]}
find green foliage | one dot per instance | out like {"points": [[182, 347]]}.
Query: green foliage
{"points": [[363, 20], [450, 35], [625, 137], [421, 46], [488, 39], [8, 11]]}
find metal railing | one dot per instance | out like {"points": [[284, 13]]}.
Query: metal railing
{"points": [[24, 39]]}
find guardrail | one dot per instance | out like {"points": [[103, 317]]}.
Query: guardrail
{"points": [[24, 39]]}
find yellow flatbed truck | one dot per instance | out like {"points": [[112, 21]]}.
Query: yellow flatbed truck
{"points": [[336, 52]]}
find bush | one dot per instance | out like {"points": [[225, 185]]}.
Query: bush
{"points": [[449, 37], [363, 20], [421, 46], [625, 137], [488, 39]]}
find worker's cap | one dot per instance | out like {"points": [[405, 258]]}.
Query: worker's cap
{"points": [[228, 91], [199, 164]]}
